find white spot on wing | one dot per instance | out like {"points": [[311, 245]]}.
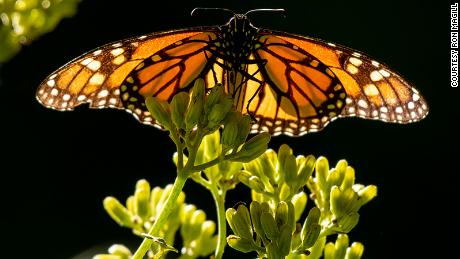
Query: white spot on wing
{"points": [[95, 65], [51, 83], [376, 76], [363, 104], [87, 61], [355, 61], [103, 93], [117, 51]]}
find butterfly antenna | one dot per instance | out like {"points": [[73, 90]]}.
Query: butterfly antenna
{"points": [[211, 8], [283, 11]]}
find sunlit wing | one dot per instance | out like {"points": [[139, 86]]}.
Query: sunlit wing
{"points": [[308, 83], [121, 74]]}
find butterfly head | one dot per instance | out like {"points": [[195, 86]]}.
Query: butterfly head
{"points": [[240, 23]]}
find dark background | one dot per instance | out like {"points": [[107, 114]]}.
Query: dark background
{"points": [[56, 167]]}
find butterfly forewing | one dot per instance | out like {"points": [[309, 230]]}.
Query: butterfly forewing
{"points": [[99, 77], [373, 90]]}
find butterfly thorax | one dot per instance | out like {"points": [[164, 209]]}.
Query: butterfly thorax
{"points": [[234, 46], [237, 39]]}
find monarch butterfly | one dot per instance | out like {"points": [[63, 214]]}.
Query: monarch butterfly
{"points": [[290, 84]]}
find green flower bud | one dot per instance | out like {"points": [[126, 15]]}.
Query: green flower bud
{"points": [[155, 197], [367, 194], [300, 201], [244, 126], [256, 211], [118, 212], [306, 168], [317, 250], [229, 135], [311, 228], [215, 96], [291, 221], [287, 164], [229, 213], [142, 200], [120, 250], [343, 202], [268, 163], [130, 204], [322, 170], [195, 107], [208, 228], [256, 184], [211, 146], [241, 244], [329, 251], [282, 214], [355, 251], [253, 148], [197, 219], [285, 192], [269, 225], [349, 178], [284, 240], [348, 222], [242, 222], [342, 166], [218, 113], [160, 110], [179, 105], [341, 245], [333, 179]]}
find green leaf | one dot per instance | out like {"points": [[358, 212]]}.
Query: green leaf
{"points": [[284, 240], [256, 211], [282, 214], [253, 148], [269, 225], [311, 228], [241, 244]]}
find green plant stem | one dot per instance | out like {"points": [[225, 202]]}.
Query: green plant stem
{"points": [[208, 164], [163, 216], [219, 199]]}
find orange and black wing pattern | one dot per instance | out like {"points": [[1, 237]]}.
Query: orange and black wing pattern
{"points": [[121, 74], [308, 83]]}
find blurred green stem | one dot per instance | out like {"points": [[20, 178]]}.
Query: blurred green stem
{"points": [[219, 199], [163, 217], [183, 173]]}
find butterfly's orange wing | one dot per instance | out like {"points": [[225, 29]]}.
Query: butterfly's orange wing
{"points": [[121, 74], [308, 83]]}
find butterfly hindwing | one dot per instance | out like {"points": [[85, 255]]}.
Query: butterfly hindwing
{"points": [[307, 93]]}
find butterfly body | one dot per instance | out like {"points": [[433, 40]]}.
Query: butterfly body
{"points": [[290, 84]]}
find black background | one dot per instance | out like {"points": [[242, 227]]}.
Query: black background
{"points": [[58, 166]]}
